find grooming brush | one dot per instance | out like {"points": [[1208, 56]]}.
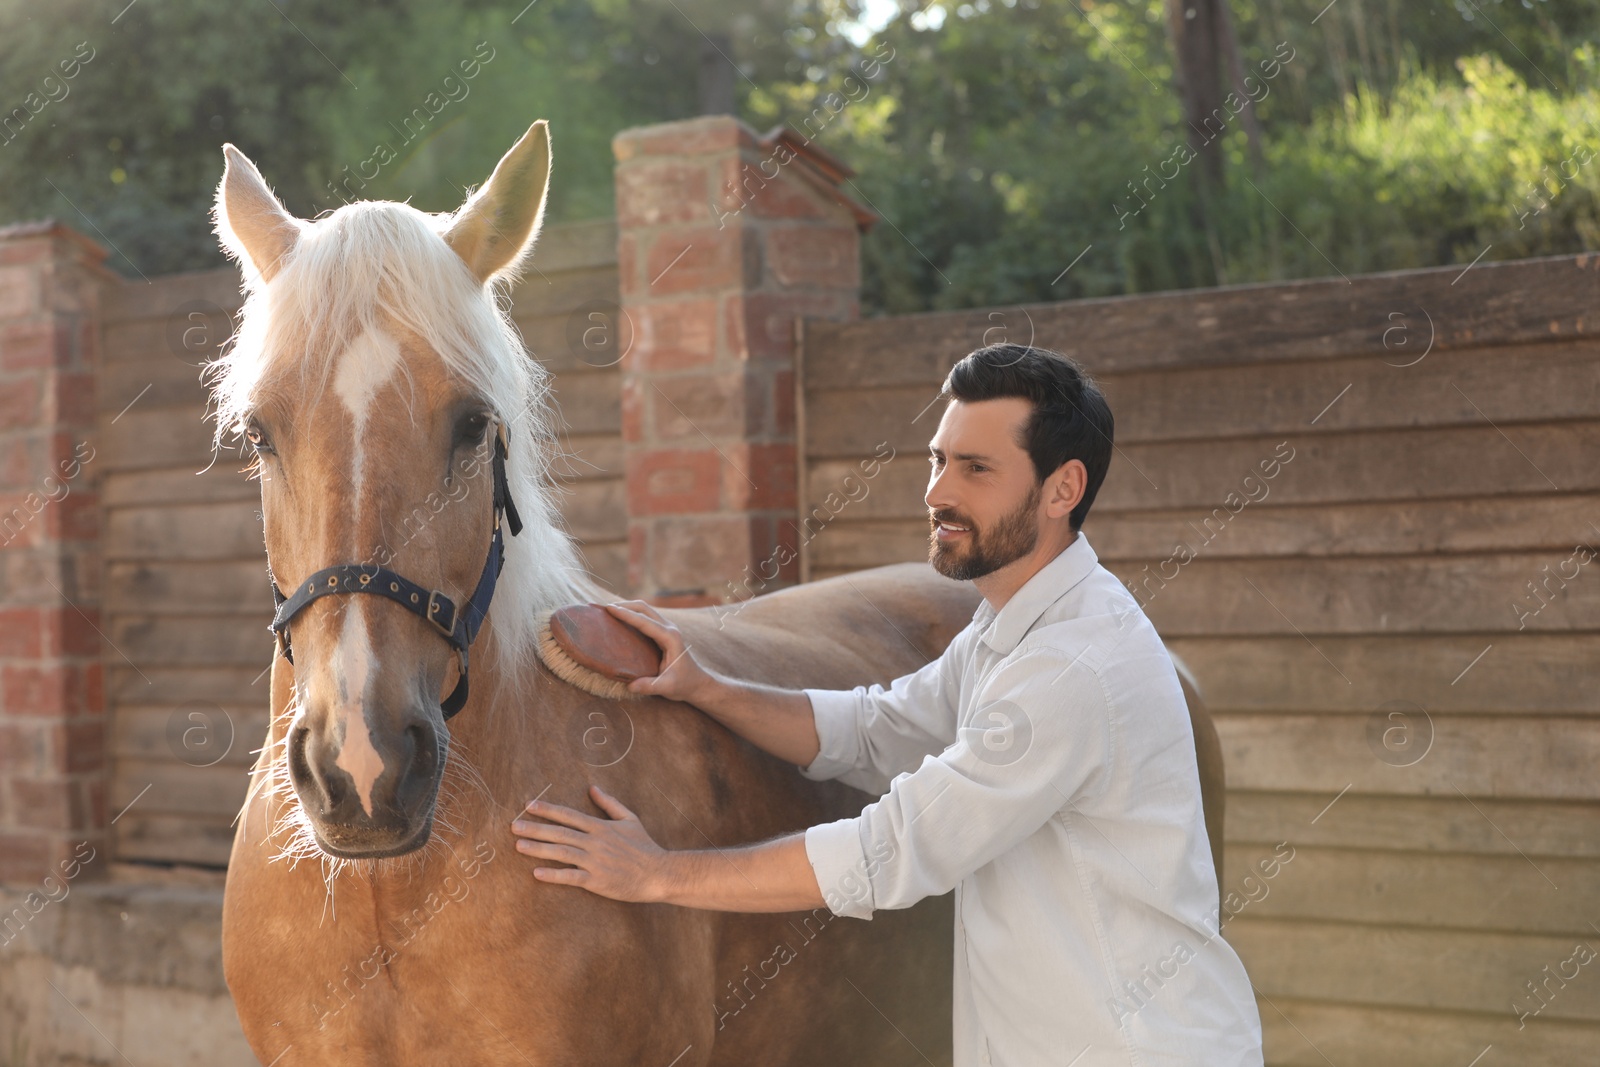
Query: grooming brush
{"points": [[586, 646]]}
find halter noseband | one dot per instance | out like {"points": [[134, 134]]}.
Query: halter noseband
{"points": [[457, 626]]}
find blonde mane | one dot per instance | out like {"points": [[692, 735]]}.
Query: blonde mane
{"points": [[378, 264]]}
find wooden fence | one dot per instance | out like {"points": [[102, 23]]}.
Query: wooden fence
{"points": [[1395, 628]]}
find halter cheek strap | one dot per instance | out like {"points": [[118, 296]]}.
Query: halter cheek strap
{"points": [[458, 626]]}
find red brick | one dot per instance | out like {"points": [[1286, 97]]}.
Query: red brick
{"points": [[746, 190], [74, 396], [761, 325], [675, 336], [701, 258], [19, 291], [659, 193], [693, 137], [630, 270], [85, 747], [28, 250], [638, 545], [45, 805], [25, 858], [72, 631], [21, 525], [21, 458], [819, 257], [38, 689], [75, 517], [674, 482], [19, 400], [699, 554], [22, 632], [24, 748], [698, 407], [765, 478], [29, 345]]}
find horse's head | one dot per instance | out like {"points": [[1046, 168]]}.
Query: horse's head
{"points": [[373, 376]]}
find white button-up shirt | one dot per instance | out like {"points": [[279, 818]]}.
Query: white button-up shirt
{"points": [[1044, 767]]}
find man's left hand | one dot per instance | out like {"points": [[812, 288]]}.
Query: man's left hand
{"points": [[613, 857]]}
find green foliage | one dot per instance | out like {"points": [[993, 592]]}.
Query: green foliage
{"points": [[1000, 140]]}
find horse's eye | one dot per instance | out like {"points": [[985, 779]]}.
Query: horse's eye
{"points": [[470, 430], [258, 439]]}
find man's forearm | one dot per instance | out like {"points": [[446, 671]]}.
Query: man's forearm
{"points": [[772, 876], [778, 721]]}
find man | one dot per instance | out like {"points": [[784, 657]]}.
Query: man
{"points": [[1043, 766]]}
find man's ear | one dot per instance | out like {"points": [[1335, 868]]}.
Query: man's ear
{"points": [[1066, 488], [253, 226], [497, 226]]}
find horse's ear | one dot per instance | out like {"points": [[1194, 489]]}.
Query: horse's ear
{"points": [[498, 224], [253, 226]]}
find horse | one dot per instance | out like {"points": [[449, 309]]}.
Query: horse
{"points": [[375, 909]]}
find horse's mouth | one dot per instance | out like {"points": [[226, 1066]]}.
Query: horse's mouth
{"points": [[362, 843]]}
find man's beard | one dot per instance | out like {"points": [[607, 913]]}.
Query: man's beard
{"points": [[1013, 537]]}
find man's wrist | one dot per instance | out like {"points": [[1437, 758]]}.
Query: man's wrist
{"points": [[674, 877]]}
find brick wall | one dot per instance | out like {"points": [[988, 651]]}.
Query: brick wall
{"points": [[725, 238], [52, 707]]}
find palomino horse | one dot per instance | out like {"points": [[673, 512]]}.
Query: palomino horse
{"points": [[376, 911]]}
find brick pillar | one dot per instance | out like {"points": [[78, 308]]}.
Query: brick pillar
{"points": [[52, 706], [725, 239]]}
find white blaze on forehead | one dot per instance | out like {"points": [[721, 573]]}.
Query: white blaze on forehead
{"points": [[353, 667], [364, 368]]}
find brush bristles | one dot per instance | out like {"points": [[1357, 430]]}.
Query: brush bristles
{"points": [[570, 671]]}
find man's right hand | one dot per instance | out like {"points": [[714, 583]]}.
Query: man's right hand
{"points": [[681, 677]]}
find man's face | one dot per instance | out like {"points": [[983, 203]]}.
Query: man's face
{"points": [[983, 498]]}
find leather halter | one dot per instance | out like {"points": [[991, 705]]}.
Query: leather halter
{"points": [[458, 626]]}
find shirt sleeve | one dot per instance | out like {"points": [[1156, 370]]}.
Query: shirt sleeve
{"points": [[1039, 739], [869, 734]]}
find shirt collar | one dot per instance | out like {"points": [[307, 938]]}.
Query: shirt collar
{"points": [[1054, 580]]}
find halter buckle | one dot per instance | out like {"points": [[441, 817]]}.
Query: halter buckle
{"points": [[442, 613]]}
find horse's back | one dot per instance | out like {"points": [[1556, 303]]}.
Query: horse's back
{"points": [[840, 632]]}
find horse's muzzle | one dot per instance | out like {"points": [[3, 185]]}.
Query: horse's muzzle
{"points": [[380, 804]]}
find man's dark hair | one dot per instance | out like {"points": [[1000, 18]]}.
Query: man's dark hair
{"points": [[1070, 418]]}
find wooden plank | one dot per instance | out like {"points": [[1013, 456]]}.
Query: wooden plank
{"points": [[1510, 894], [225, 531], [1493, 303], [193, 733], [560, 292], [1523, 383], [1418, 824], [566, 246], [1548, 523], [189, 588], [244, 686], [1300, 1033], [1387, 528], [1451, 970], [1484, 594], [149, 437], [589, 455], [596, 509], [158, 297], [1370, 466], [141, 642], [1472, 756], [168, 787], [590, 402], [1516, 673], [206, 842], [178, 485], [607, 563], [162, 382]]}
